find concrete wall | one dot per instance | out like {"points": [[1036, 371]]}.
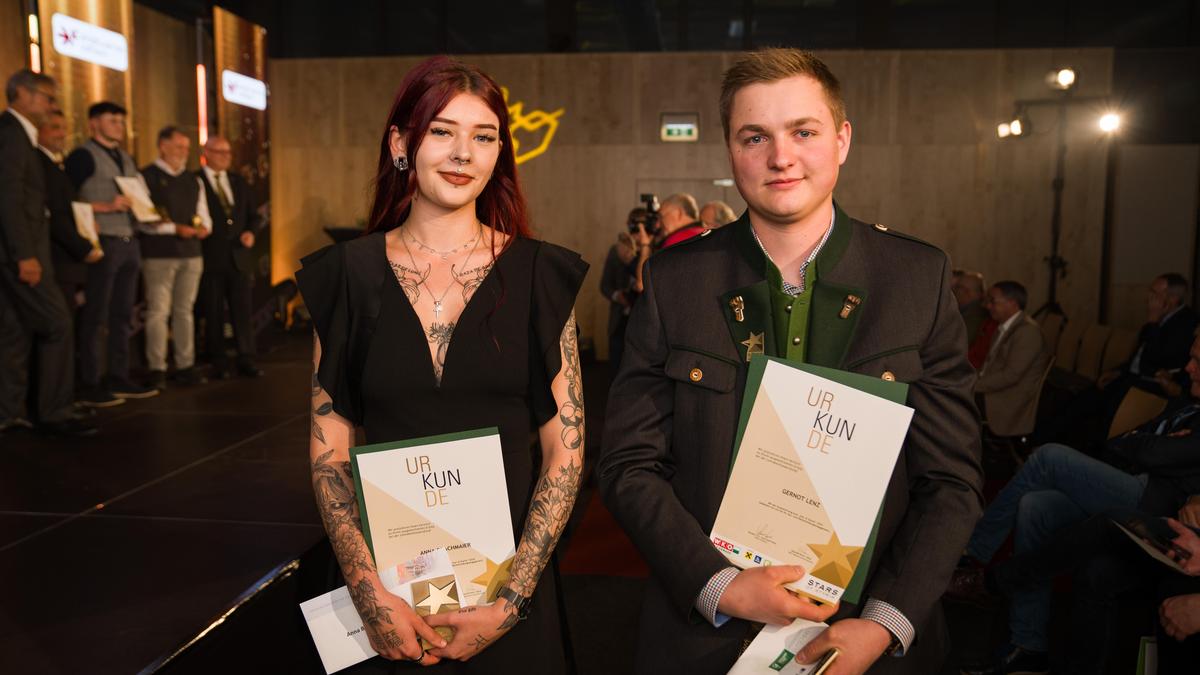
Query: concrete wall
{"points": [[14, 37], [925, 158]]}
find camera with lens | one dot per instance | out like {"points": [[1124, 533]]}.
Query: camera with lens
{"points": [[646, 214]]}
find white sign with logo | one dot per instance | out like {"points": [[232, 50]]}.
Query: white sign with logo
{"points": [[87, 42], [243, 90]]}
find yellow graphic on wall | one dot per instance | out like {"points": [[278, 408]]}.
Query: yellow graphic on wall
{"points": [[530, 123]]}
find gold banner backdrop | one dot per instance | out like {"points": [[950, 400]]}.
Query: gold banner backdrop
{"points": [[80, 82], [14, 38], [241, 48]]}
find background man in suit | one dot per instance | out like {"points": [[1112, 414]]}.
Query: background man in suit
{"points": [[967, 287], [716, 214], [815, 286], [228, 263], [1011, 374], [70, 251], [32, 306]]}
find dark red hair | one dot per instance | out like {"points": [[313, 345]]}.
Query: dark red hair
{"points": [[426, 90]]}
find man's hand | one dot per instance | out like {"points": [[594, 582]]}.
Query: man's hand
{"points": [[475, 629], [393, 628], [860, 641], [1190, 513], [202, 232], [757, 594], [1169, 386], [247, 238], [94, 256], [120, 203], [185, 231], [1188, 541], [1107, 378], [642, 240], [1180, 615], [29, 271]]}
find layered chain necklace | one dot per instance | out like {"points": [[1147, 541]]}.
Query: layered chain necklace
{"points": [[437, 301], [445, 254]]}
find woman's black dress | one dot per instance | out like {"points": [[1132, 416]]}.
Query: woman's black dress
{"points": [[376, 366]]}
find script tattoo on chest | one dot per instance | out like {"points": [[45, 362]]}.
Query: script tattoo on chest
{"points": [[410, 280]]}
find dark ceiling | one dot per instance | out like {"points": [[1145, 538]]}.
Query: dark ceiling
{"points": [[320, 28]]}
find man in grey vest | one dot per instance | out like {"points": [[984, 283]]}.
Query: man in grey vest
{"points": [[112, 283], [171, 259], [32, 309]]}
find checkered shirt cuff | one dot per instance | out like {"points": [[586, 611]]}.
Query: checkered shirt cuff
{"points": [[893, 620], [710, 595]]}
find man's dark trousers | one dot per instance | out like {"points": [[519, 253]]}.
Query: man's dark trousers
{"points": [[110, 295]]}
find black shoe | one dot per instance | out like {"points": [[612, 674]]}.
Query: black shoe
{"points": [[127, 389], [96, 397], [190, 377], [157, 379], [248, 369], [68, 427], [1017, 661], [968, 585]]}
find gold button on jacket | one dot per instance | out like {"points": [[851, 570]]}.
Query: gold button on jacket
{"points": [[696, 374]]}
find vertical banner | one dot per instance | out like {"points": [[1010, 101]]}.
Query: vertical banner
{"points": [[86, 47], [239, 78]]}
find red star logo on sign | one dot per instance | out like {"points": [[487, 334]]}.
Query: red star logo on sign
{"points": [[67, 36]]}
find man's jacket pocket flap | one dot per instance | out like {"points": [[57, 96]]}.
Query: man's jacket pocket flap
{"points": [[701, 369]]}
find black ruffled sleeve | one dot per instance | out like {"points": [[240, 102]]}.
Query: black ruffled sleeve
{"points": [[322, 282], [557, 276]]}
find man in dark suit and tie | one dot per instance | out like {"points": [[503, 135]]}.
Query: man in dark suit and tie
{"points": [[228, 262], [32, 306], [795, 277]]}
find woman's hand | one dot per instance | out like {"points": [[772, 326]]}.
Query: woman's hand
{"points": [[475, 629], [393, 628]]}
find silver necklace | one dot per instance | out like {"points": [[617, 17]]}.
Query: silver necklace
{"points": [[444, 254], [437, 302]]}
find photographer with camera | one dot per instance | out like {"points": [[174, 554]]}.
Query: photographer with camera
{"points": [[617, 282], [675, 221]]}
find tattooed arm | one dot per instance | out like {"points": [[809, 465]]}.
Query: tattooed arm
{"points": [[553, 498], [392, 626]]}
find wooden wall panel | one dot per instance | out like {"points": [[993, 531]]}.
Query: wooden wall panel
{"points": [[14, 36], [165, 66], [924, 159]]}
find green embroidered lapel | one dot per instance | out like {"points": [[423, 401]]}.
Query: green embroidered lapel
{"points": [[835, 307]]}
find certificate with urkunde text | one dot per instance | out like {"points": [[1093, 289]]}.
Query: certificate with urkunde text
{"points": [[814, 456], [448, 492]]}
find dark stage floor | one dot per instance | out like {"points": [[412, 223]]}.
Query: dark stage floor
{"points": [[117, 550]]}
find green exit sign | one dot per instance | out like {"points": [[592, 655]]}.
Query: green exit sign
{"points": [[679, 127]]}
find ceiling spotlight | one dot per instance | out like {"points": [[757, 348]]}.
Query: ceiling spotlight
{"points": [[1110, 122], [1003, 130], [1016, 128], [1062, 78]]}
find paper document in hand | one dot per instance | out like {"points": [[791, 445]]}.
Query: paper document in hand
{"points": [[335, 625], [811, 468], [774, 650], [135, 189], [439, 492], [85, 221]]}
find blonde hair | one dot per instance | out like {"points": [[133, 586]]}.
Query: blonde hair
{"points": [[772, 65]]}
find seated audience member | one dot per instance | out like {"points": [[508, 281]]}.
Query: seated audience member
{"points": [[616, 284], [1060, 487], [1012, 372], [1158, 360], [967, 287], [679, 219], [715, 214]]}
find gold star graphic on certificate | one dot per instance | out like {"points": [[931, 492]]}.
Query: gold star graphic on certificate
{"points": [[487, 575], [835, 563], [754, 344], [430, 597]]}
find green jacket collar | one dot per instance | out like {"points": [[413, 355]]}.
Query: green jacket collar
{"points": [[835, 306]]}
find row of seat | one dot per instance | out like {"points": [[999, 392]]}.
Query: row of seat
{"points": [[1086, 349]]}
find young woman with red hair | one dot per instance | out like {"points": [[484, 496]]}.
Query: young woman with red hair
{"points": [[448, 316]]}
